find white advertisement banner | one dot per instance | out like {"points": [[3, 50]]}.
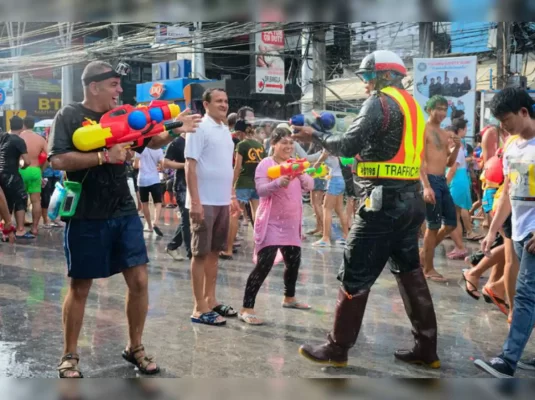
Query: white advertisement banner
{"points": [[455, 79], [269, 65]]}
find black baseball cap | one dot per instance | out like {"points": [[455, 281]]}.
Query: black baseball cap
{"points": [[242, 125]]}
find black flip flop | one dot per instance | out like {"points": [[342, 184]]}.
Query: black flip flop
{"points": [[225, 311], [464, 285], [157, 230]]}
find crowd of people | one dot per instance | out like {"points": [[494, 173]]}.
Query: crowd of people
{"points": [[220, 164]]}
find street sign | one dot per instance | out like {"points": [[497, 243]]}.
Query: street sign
{"points": [[2, 96]]}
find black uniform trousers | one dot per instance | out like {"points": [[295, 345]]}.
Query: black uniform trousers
{"points": [[377, 237]]}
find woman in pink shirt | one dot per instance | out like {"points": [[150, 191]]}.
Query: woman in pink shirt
{"points": [[277, 226]]}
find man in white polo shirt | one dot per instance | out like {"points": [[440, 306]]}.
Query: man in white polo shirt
{"points": [[209, 174]]}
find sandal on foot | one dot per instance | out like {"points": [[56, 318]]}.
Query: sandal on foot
{"points": [[158, 231], [436, 278], [463, 283], [67, 365], [27, 235], [474, 237], [224, 256], [490, 297], [142, 361], [208, 318], [225, 311], [296, 305], [457, 254], [321, 243], [250, 319]]}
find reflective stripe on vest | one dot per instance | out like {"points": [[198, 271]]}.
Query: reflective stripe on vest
{"points": [[406, 163]]}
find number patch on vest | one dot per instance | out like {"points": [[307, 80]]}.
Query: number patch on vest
{"points": [[387, 171]]}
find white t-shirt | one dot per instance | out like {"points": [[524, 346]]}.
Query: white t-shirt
{"points": [[148, 167], [334, 166], [461, 158], [212, 147], [519, 165]]}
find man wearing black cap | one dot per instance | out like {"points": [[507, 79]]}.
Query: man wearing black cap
{"points": [[105, 235]]}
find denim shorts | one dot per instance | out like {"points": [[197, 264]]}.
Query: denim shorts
{"points": [[443, 211], [336, 186], [319, 184], [104, 247], [246, 195]]}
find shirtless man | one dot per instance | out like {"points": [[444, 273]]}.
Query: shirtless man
{"points": [[440, 210], [32, 176]]}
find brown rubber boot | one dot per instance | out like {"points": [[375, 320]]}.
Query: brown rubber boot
{"points": [[419, 307], [348, 319]]}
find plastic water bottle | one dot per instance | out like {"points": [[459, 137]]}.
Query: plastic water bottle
{"points": [[55, 201]]}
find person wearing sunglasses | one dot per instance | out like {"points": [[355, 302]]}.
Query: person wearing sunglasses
{"points": [[387, 140]]}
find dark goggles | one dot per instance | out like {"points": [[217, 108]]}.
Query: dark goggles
{"points": [[122, 69]]}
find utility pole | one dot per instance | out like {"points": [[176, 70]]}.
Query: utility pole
{"points": [[65, 36], [198, 53], [318, 74], [502, 54], [426, 39], [306, 68], [15, 32]]}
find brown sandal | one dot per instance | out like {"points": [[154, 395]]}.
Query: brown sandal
{"points": [[66, 365], [141, 361]]}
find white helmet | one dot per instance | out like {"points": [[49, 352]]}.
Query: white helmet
{"points": [[382, 60]]}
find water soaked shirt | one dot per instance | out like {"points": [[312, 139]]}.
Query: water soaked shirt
{"points": [[367, 138]]}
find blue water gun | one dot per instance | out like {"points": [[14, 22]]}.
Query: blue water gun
{"points": [[323, 122]]}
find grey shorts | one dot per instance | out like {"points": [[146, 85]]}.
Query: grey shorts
{"points": [[211, 234]]}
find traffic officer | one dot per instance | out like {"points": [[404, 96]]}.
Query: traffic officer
{"points": [[387, 139]]}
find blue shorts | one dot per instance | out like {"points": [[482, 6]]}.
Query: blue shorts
{"points": [[246, 195], [488, 199], [102, 248], [443, 211], [336, 186], [319, 184]]}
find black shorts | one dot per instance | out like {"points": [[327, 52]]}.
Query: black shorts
{"points": [[101, 248], [154, 190], [13, 187], [48, 190]]}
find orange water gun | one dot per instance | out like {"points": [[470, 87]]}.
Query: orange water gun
{"points": [[291, 168], [125, 124]]}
